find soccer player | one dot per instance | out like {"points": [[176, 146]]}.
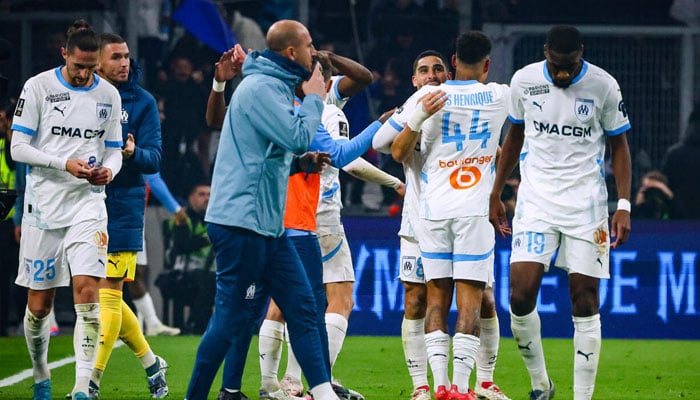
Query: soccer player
{"points": [[332, 259], [565, 109], [126, 202], [459, 146], [430, 69], [65, 118], [254, 257]]}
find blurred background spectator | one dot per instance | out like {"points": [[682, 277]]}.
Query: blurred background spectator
{"points": [[654, 200], [681, 164]]}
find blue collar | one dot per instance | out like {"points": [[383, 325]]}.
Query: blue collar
{"points": [[288, 65]]}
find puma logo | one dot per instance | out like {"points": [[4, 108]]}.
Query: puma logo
{"points": [[538, 105], [526, 347], [60, 110], [585, 355], [113, 263]]}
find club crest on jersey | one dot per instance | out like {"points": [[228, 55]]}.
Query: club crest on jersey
{"points": [[125, 117], [583, 108], [104, 110]]}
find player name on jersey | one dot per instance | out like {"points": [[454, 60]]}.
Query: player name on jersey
{"points": [[469, 99]]}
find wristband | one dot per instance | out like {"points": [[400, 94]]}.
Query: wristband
{"points": [[417, 118], [624, 205], [217, 86]]}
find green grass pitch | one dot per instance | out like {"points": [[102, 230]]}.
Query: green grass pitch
{"points": [[629, 369]]}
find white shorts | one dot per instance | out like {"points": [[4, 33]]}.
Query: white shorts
{"points": [[588, 254], [49, 257], [459, 248], [337, 260], [411, 269]]}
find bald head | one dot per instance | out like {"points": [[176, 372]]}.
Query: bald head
{"points": [[292, 40], [285, 33]]}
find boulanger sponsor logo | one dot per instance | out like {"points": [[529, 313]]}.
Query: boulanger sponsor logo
{"points": [[104, 110], [583, 108], [465, 177], [57, 97], [481, 160]]}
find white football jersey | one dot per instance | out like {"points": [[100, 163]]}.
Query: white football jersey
{"points": [[459, 144], [411, 168], [68, 122], [562, 167], [330, 200], [333, 96]]}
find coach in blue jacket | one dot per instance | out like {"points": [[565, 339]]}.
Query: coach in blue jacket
{"points": [[249, 188]]}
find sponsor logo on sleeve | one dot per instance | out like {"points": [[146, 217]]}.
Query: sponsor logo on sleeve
{"points": [[622, 107], [343, 129], [19, 108]]}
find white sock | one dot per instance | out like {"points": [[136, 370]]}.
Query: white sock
{"points": [[52, 319], [293, 367], [528, 336], [337, 327], [587, 339], [146, 310], [271, 336], [148, 359], [85, 337], [488, 349], [464, 347], [37, 335], [413, 340], [324, 391], [437, 345]]}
